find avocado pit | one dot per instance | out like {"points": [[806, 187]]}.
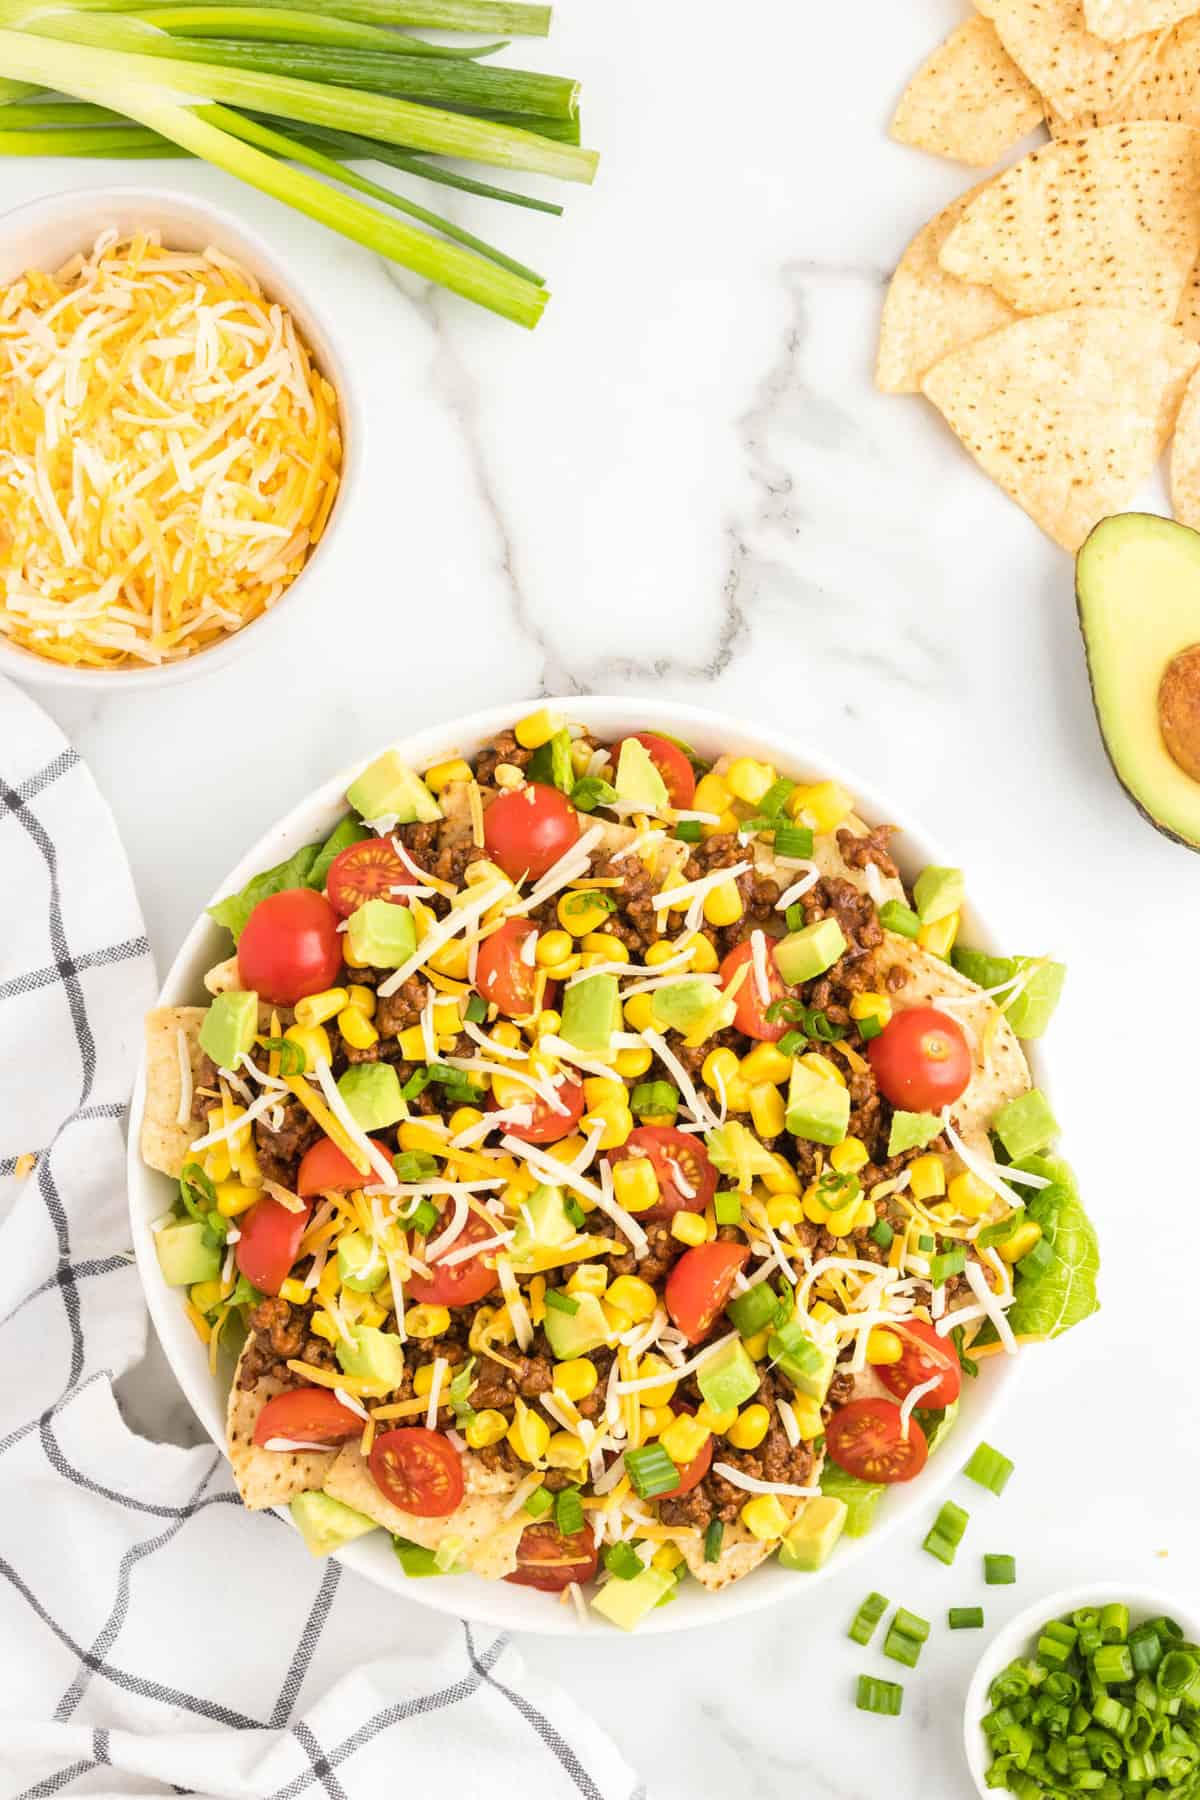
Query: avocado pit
{"points": [[1179, 710]]}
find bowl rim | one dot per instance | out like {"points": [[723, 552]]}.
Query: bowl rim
{"points": [[320, 332], [497, 1603], [1004, 1646]]}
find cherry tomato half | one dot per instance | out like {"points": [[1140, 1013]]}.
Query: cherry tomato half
{"points": [[325, 1166], [306, 1415], [926, 1355], [547, 1126], [692, 1473], [549, 1561], [502, 974], [865, 1439], [527, 829], [686, 1177], [458, 1283], [678, 775], [370, 870], [417, 1470], [700, 1284], [751, 1016], [290, 947], [270, 1241], [922, 1060]]}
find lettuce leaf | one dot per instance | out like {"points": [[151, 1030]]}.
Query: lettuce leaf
{"points": [[1062, 1294], [307, 867]]}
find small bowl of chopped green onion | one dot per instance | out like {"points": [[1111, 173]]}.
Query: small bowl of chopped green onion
{"points": [[1091, 1691]]}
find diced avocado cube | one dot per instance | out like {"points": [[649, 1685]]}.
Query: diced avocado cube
{"points": [[803, 955], [375, 1355], [591, 1013], [186, 1254], [361, 1264], [1026, 1126], [382, 934], [1032, 1009], [810, 1371], [326, 1524], [372, 1093], [626, 1603], [938, 893], [415, 1559], [229, 1027], [577, 1333], [683, 1004], [860, 1497], [728, 1377], [637, 780], [809, 1543], [817, 1109], [912, 1131], [388, 789], [543, 1222]]}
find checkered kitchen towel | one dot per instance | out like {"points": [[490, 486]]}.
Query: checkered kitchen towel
{"points": [[156, 1638]]}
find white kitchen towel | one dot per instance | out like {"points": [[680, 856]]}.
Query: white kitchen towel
{"points": [[156, 1638]]}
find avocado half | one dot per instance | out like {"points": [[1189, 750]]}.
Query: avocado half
{"points": [[1137, 585]]}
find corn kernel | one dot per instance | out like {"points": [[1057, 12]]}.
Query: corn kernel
{"points": [[634, 1296], [508, 775], [780, 1177], [720, 1068], [588, 1278], [537, 728], [233, 1197], [635, 1184], [764, 1517], [412, 1135], [749, 780], [726, 826], [315, 1009], [784, 1209], [350, 959], [970, 1196], [767, 1110], [618, 1124], [364, 998], [654, 1419], [705, 960], [443, 773], [883, 1346], [716, 1422], [576, 1379], [848, 1157], [323, 1326], [660, 951], [356, 1028], [750, 1427], [562, 971], [426, 1321], [928, 1175], [756, 1345], [712, 795], [823, 805], [411, 1043], [766, 1062], [486, 1428], [370, 1312], [684, 1439], [204, 1295], [821, 1065], [1021, 1242], [938, 937], [607, 945], [581, 756], [723, 905], [807, 1413], [871, 1006], [294, 1292], [616, 1319], [566, 1451], [423, 1379], [548, 1023], [582, 913], [689, 1228], [553, 947], [667, 1558], [313, 1040], [528, 1434], [841, 1223], [639, 1011], [664, 1392], [632, 1063]]}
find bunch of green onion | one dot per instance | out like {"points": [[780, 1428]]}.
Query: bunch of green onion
{"points": [[285, 96], [1101, 1710]]}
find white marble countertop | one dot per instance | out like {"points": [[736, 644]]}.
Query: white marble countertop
{"points": [[685, 483]]}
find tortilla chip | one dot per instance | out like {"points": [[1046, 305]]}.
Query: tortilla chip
{"points": [[489, 1539], [741, 1551], [1072, 70], [999, 1069], [1185, 459], [1188, 316], [928, 312], [1165, 86], [1105, 218], [165, 1142], [1116, 20], [969, 101], [225, 978], [1069, 412], [267, 1477]]}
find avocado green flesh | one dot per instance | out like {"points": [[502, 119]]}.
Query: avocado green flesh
{"points": [[1137, 583]]}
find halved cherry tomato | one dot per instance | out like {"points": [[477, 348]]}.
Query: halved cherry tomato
{"points": [[865, 1439], [922, 1060], [549, 1561], [547, 1126], [678, 775], [687, 1179], [751, 1016], [700, 1284], [691, 1473], [306, 1415], [527, 829], [926, 1355], [501, 973], [370, 870], [290, 947], [270, 1241], [325, 1166], [459, 1283], [417, 1470]]}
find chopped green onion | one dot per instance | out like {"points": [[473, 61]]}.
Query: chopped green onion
{"points": [[653, 1099], [946, 1533], [795, 917], [623, 1561], [415, 1165], [651, 1471], [476, 1009], [423, 1217], [1112, 1662], [687, 831], [590, 792], [793, 840], [1114, 1624], [568, 1511], [895, 916], [416, 1084], [875, 1696], [574, 1212], [775, 798], [794, 1352], [867, 1617], [905, 1638], [712, 1540], [869, 1028], [792, 1043], [292, 1060], [539, 1503], [950, 1262], [1145, 1647], [999, 1571], [988, 1468], [754, 1310], [965, 1618], [882, 1233], [727, 1209], [925, 1243], [560, 1301]]}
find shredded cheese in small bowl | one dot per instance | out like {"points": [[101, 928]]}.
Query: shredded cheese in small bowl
{"points": [[169, 454]]}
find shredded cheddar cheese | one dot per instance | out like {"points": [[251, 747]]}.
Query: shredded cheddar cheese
{"points": [[168, 454]]}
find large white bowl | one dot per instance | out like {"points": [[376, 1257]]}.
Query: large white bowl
{"points": [[44, 234], [500, 1603]]}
